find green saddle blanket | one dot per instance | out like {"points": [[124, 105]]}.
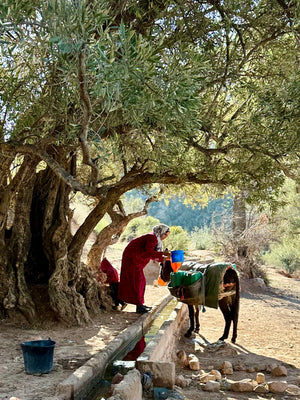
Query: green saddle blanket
{"points": [[205, 290]]}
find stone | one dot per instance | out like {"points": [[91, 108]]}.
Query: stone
{"points": [[277, 386], [260, 377], [117, 379], [212, 386], [239, 367], [207, 377], [250, 369], [182, 382], [279, 371], [269, 367], [225, 384], [244, 385], [261, 388], [293, 390], [193, 362], [182, 358], [217, 374], [226, 368], [259, 282], [130, 388], [163, 372]]}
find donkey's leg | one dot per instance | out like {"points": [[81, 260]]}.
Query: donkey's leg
{"points": [[225, 308], [191, 317], [197, 319], [235, 316]]}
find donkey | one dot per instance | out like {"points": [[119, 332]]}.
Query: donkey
{"points": [[229, 300]]}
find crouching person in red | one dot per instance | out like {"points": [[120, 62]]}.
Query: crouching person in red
{"points": [[113, 281]]}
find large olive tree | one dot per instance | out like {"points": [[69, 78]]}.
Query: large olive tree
{"points": [[104, 97]]}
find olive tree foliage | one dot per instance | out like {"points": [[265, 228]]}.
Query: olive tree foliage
{"points": [[104, 97]]}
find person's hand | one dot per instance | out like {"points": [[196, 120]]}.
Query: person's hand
{"points": [[167, 254]]}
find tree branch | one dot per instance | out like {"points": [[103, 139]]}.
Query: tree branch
{"points": [[87, 112]]}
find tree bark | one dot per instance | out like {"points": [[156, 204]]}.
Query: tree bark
{"points": [[18, 295]]}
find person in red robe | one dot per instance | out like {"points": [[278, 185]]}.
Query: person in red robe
{"points": [[135, 257], [112, 278]]}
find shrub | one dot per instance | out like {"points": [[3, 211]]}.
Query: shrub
{"points": [[284, 255], [201, 238], [138, 226], [178, 239]]}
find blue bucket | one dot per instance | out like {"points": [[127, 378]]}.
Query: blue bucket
{"points": [[38, 356], [177, 256]]}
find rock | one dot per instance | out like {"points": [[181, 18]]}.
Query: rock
{"points": [[182, 382], [207, 377], [193, 362], [217, 374], [270, 367], [260, 377], [225, 384], [182, 358], [130, 388], [277, 386], [250, 369], [293, 390], [239, 367], [279, 371], [261, 388], [259, 282], [226, 368], [212, 386], [117, 379], [242, 386]]}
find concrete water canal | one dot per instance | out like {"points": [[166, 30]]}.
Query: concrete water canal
{"points": [[160, 329]]}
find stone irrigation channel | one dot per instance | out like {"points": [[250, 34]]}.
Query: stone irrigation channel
{"points": [[161, 328]]}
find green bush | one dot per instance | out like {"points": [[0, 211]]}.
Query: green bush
{"points": [[201, 238], [137, 227], [177, 240], [284, 255]]}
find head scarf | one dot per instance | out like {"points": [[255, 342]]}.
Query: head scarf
{"points": [[159, 231]]}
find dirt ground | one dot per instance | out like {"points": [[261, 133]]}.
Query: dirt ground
{"points": [[268, 334]]}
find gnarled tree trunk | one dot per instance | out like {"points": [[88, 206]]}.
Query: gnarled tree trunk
{"points": [[35, 249]]}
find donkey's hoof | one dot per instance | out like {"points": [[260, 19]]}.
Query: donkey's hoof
{"points": [[188, 334]]}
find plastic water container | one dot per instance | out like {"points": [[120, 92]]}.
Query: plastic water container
{"points": [[191, 278], [175, 266], [177, 256], [161, 282], [176, 278], [38, 356]]}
